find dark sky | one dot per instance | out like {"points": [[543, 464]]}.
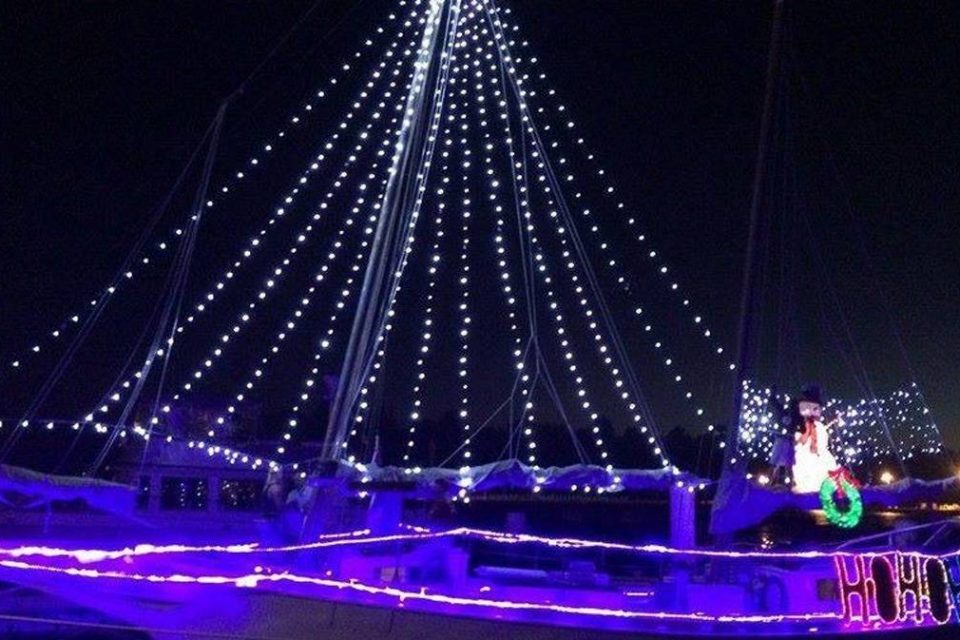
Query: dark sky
{"points": [[102, 102]]}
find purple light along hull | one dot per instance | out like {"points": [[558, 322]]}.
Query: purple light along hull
{"points": [[426, 577], [188, 612]]}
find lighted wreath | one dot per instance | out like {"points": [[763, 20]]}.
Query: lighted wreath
{"points": [[841, 484]]}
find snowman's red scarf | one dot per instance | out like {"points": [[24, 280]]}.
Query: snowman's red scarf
{"points": [[810, 435]]}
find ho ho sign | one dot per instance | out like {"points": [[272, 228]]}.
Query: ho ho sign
{"points": [[894, 589]]}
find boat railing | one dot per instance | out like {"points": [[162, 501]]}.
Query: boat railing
{"points": [[888, 539]]}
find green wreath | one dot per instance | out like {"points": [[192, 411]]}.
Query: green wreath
{"points": [[843, 519]]}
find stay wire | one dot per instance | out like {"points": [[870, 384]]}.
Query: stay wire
{"points": [[854, 351], [91, 321], [201, 198], [171, 311], [861, 235], [580, 249], [524, 239]]}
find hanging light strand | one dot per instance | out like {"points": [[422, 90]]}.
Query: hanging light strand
{"points": [[160, 247], [359, 406], [633, 401], [668, 361], [327, 341], [661, 268], [278, 270], [518, 155], [521, 349]]}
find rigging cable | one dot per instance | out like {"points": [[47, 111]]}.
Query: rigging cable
{"points": [[170, 315], [101, 304], [861, 235], [395, 227], [854, 351], [581, 252], [526, 260]]}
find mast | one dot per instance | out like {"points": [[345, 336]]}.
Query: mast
{"points": [[732, 488], [398, 215]]}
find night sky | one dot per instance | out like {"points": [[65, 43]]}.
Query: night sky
{"points": [[103, 102]]}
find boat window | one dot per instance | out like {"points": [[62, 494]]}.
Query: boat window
{"points": [[240, 495], [183, 494], [143, 493]]}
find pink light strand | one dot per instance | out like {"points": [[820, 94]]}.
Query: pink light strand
{"points": [[253, 580], [420, 534]]}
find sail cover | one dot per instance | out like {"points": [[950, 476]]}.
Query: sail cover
{"points": [[43, 488], [508, 475]]}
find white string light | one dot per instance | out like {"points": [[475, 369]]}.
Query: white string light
{"points": [[254, 161], [466, 320], [920, 432], [630, 403], [480, 57], [419, 82], [346, 290], [296, 318], [527, 419], [519, 355], [609, 191], [465, 278], [860, 438], [433, 266], [115, 396], [665, 359], [427, 329], [277, 271], [326, 343]]}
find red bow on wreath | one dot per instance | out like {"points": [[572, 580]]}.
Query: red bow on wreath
{"points": [[839, 476]]}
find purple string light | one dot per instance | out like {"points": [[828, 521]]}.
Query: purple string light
{"points": [[402, 596], [420, 534]]}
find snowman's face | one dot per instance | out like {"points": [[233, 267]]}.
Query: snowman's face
{"points": [[810, 410]]}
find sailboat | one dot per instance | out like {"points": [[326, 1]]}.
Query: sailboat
{"points": [[354, 558]]}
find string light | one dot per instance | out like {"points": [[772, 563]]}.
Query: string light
{"points": [[278, 269], [296, 318], [586, 310], [519, 353], [449, 66], [860, 438], [349, 223], [476, 55], [233, 455], [254, 161], [608, 192], [433, 265], [918, 584], [332, 587], [326, 343], [345, 292], [539, 154], [360, 405], [464, 281], [363, 537], [611, 264]]}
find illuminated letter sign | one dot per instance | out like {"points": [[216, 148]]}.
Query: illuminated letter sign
{"points": [[856, 590], [894, 588]]}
